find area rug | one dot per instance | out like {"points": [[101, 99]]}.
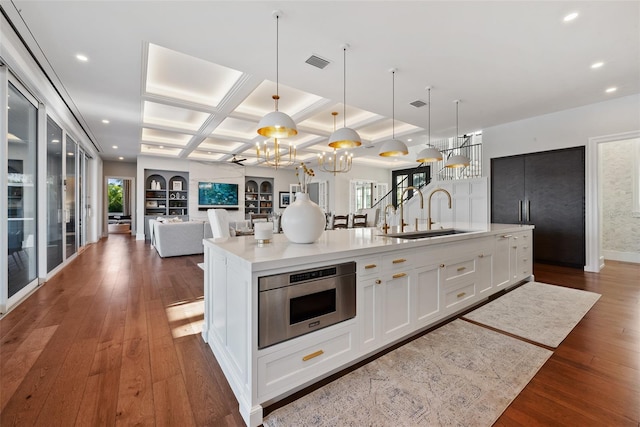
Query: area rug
{"points": [[459, 374], [536, 311]]}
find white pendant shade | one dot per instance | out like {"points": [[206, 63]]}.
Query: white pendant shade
{"points": [[457, 161], [344, 138], [277, 124], [393, 148], [429, 154]]}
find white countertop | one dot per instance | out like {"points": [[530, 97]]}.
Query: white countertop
{"points": [[335, 244]]}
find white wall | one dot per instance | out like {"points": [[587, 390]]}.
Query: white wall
{"points": [[119, 169], [568, 128]]}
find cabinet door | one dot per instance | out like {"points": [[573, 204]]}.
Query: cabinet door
{"points": [[369, 319], [502, 260], [395, 301], [485, 273], [555, 190], [507, 189], [427, 294]]}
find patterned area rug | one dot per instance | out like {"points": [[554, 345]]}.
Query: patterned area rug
{"points": [[536, 311], [459, 374]]}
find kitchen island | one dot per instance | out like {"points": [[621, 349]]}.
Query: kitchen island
{"points": [[402, 287]]}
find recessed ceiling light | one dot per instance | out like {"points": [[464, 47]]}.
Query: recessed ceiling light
{"points": [[69, 153], [105, 121], [570, 17], [121, 158], [115, 147], [597, 64], [161, 147], [82, 58], [611, 89], [409, 140], [55, 141]]}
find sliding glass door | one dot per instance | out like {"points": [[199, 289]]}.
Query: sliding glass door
{"points": [[54, 195], [70, 185], [21, 191]]}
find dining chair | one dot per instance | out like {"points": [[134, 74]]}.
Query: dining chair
{"points": [[219, 220], [359, 220], [340, 221]]}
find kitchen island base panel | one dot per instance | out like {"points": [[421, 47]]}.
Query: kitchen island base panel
{"points": [[415, 273]]}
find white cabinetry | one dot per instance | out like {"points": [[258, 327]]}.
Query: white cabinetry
{"points": [[384, 298], [368, 274], [426, 294], [512, 258], [402, 287], [310, 356], [395, 295], [523, 254]]}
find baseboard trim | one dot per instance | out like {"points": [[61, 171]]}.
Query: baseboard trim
{"points": [[622, 256]]}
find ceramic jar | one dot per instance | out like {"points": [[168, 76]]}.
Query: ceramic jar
{"points": [[303, 221]]}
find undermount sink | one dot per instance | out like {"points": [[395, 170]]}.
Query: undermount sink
{"points": [[425, 233]]}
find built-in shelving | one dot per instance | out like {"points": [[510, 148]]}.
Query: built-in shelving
{"points": [[166, 193], [258, 196]]}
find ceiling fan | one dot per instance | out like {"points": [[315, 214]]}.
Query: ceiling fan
{"points": [[237, 161]]}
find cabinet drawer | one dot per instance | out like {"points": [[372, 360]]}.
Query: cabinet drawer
{"points": [[397, 261], [290, 367], [457, 296], [459, 269], [368, 266]]}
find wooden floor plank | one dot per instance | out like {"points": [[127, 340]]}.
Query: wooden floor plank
{"points": [[172, 403], [16, 367], [135, 396], [72, 378]]}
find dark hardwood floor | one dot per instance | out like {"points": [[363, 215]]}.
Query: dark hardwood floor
{"points": [[115, 339]]}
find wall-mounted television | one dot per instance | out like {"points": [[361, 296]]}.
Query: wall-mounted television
{"points": [[217, 195]]}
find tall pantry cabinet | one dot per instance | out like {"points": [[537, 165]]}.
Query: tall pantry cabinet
{"points": [[546, 189]]}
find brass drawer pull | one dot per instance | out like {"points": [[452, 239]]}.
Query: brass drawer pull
{"points": [[378, 281], [462, 268], [368, 266], [312, 355], [481, 256], [399, 261], [441, 265], [461, 294], [399, 275], [514, 247], [505, 236]]}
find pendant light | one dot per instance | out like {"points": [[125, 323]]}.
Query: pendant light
{"points": [[457, 160], [344, 137], [277, 124], [334, 164], [431, 153], [393, 147]]}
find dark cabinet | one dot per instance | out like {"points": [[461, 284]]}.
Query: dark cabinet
{"points": [[546, 189]]}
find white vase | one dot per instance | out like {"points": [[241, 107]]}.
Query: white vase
{"points": [[303, 221]]}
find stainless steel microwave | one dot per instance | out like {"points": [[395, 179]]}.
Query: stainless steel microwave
{"points": [[300, 302]]}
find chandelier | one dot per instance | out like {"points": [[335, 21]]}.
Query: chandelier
{"points": [[334, 164], [276, 155]]}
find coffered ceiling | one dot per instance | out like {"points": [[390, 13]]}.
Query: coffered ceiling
{"points": [[192, 79]]}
